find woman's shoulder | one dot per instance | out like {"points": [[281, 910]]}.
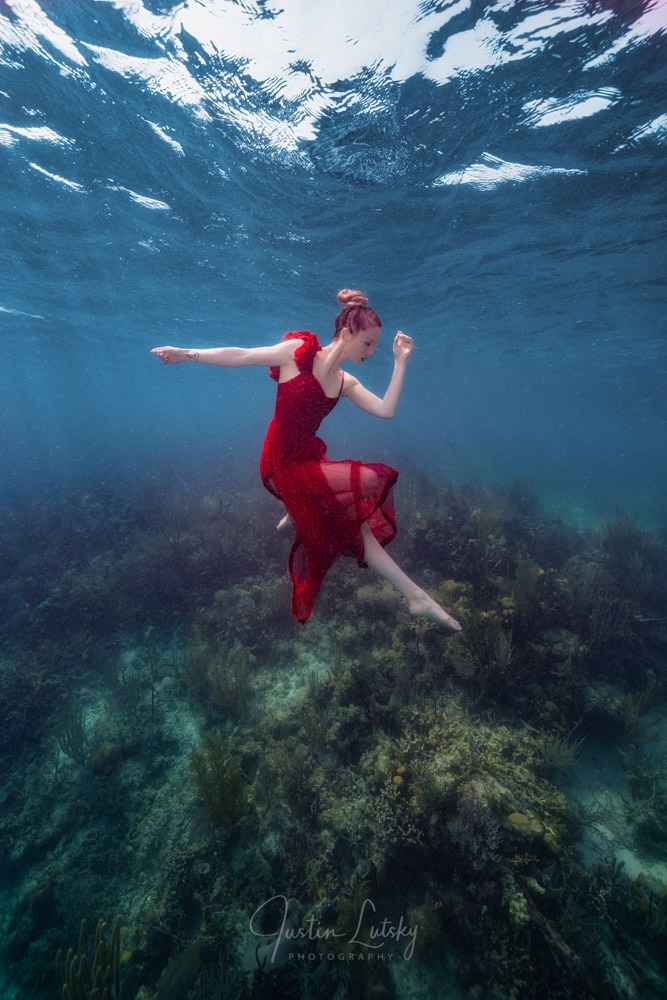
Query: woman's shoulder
{"points": [[306, 346], [350, 383], [304, 353]]}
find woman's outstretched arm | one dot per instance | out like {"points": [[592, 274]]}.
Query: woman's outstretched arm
{"points": [[230, 357], [388, 405]]}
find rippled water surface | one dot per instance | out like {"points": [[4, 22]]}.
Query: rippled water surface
{"points": [[211, 171]]}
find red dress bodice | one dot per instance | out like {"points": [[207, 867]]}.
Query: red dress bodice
{"points": [[295, 468]]}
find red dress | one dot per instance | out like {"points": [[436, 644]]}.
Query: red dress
{"points": [[327, 501]]}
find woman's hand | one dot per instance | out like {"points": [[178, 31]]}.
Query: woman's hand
{"points": [[403, 347], [171, 355]]}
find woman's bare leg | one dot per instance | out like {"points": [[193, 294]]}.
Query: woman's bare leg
{"points": [[419, 603], [284, 522]]}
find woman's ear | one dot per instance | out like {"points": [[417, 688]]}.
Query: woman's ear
{"points": [[345, 333]]}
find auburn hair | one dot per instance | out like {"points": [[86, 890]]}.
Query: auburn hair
{"points": [[356, 314]]}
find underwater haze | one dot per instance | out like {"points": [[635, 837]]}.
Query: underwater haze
{"points": [[207, 173], [201, 798]]}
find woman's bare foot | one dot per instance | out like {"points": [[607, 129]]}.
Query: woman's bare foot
{"points": [[425, 607], [284, 522]]}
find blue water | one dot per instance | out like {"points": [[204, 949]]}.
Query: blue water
{"points": [[212, 172], [203, 174]]}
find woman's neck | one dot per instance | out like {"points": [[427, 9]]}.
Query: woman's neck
{"points": [[331, 357]]}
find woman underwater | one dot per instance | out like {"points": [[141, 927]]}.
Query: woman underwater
{"points": [[335, 508]]}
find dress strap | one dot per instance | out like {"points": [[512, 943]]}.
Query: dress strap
{"points": [[342, 383]]}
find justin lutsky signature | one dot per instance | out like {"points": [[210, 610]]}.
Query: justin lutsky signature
{"points": [[368, 932]]}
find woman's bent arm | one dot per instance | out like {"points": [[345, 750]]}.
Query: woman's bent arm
{"points": [[369, 402], [388, 405], [230, 357]]}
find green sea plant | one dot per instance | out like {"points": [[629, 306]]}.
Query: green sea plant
{"points": [[180, 973], [71, 735], [650, 695], [472, 653], [639, 578], [524, 587], [636, 705], [608, 622], [229, 680], [129, 692], [314, 721], [556, 751], [433, 786], [475, 832], [220, 782], [80, 979], [425, 918], [337, 668], [590, 603], [503, 649], [293, 765], [350, 904], [196, 659], [630, 555], [589, 814], [220, 678], [486, 544], [377, 602], [646, 811]]}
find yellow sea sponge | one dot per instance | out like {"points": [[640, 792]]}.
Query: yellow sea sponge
{"points": [[532, 826]]}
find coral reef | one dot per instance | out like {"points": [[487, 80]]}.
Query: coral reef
{"points": [[368, 807]]}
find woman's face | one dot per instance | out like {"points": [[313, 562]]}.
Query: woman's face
{"points": [[360, 345]]}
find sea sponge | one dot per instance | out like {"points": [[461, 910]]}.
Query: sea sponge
{"points": [[531, 826], [106, 759]]}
